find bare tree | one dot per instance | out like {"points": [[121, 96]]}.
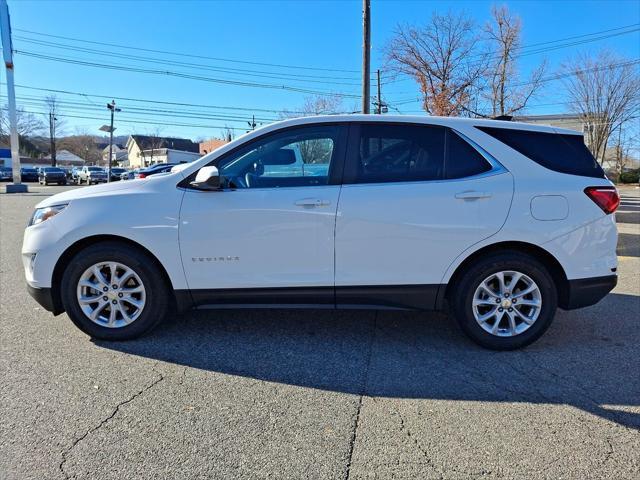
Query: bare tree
{"points": [[605, 91], [315, 150], [28, 124], [150, 145], [55, 125], [444, 57], [83, 145], [507, 94], [623, 147], [227, 134], [315, 105]]}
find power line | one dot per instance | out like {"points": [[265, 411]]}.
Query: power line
{"points": [[298, 76], [146, 100], [70, 105], [234, 71], [184, 75], [138, 121], [182, 54]]}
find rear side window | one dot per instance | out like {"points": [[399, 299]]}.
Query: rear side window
{"points": [[400, 153], [559, 152], [412, 153]]}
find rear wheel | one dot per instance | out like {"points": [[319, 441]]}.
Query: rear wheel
{"points": [[113, 292], [505, 300]]}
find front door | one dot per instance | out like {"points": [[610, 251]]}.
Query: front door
{"points": [[272, 225]]}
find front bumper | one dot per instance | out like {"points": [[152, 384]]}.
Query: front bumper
{"points": [[584, 292], [44, 296]]}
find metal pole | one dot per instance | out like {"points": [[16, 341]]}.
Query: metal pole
{"points": [[52, 138], [379, 96], [366, 54], [112, 108], [7, 52]]}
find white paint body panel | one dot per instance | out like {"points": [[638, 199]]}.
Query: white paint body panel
{"points": [[277, 243], [389, 234], [409, 233]]}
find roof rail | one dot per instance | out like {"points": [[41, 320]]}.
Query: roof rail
{"points": [[506, 118]]}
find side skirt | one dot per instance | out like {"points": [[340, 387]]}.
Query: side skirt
{"points": [[377, 297]]}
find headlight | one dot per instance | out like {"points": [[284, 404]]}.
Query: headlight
{"points": [[42, 214]]}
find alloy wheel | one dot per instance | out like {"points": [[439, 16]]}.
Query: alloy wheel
{"points": [[507, 303], [111, 294]]}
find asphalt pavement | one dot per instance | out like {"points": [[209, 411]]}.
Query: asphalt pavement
{"points": [[317, 394]]}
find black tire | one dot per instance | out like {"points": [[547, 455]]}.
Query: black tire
{"points": [[157, 303], [461, 298]]}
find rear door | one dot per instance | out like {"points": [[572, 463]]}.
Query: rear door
{"points": [[414, 198]]}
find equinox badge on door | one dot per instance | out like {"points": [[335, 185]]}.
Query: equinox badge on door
{"points": [[215, 259]]}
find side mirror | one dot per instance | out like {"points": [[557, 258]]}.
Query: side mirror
{"points": [[207, 178]]}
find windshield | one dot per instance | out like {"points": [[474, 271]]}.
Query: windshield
{"points": [[52, 169], [95, 169]]}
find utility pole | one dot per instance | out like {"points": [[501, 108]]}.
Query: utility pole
{"points": [[7, 53], [253, 123], [379, 106], [52, 137], [366, 55]]}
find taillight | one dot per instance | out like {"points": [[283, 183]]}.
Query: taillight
{"points": [[606, 198], [142, 175]]}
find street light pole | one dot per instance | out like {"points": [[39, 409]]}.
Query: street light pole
{"points": [[111, 106]]}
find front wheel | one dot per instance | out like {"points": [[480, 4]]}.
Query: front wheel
{"points": [[505, 301], [114, 292]]}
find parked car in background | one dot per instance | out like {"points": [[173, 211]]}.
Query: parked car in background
{"points": [[6, 174], [28, 174], [52, 175], [500, 223], [67, 171], [154, 169], [75, 173], [91, 175], [116, 173], [129, 174]]}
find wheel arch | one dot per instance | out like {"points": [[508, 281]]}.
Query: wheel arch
{"points": [[180, 302], [547, 259]]}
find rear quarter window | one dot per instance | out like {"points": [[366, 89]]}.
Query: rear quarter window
{"points": [[562, 153]]}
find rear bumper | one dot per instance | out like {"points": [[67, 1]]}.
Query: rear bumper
{"points": [[587, 291], [44, 297]]}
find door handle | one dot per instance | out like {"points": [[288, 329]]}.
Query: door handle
{"points": [[472, 195], [312, 202]]}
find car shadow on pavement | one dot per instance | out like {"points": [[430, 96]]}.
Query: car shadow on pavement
{"points": [[589, 359]]}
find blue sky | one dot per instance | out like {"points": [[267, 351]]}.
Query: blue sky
{"points": [[323, 36]]}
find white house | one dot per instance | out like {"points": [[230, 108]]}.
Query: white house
{"points": [[144, 150]]}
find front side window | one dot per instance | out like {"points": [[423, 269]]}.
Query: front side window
{"points": [[294, 158]]}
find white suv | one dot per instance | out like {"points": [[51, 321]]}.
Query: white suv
{"points": [[501, 222]]}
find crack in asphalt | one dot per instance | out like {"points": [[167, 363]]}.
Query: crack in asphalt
{"points": [[104, 421], [183, 376], [425, 454], [363, 389]]}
